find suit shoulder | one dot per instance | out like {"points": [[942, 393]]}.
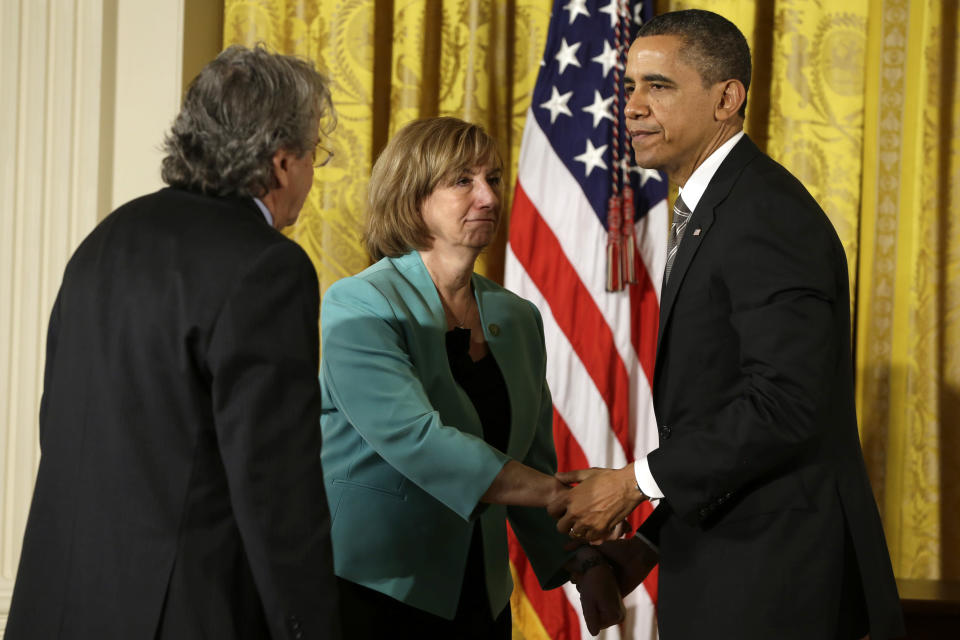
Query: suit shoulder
{"points": [[367, 287], [173, 230], [349, 286], [767, 187], [394, 279], [171, 209], [378, 276], [769, 210], [772, 180]]}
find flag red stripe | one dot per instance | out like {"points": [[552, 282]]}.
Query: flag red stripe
{"points": [[537, 249], [570, 456], [645, 319]]}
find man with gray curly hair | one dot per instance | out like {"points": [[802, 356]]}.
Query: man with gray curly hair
{"points": [[180, 493]]}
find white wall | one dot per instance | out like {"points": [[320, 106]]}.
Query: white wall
{"points": [[89, 89], [149, 64]]}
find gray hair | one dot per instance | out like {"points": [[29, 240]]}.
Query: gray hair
{"points": [[238, 112], [714, 46]]}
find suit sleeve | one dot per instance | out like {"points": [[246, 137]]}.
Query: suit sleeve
{"points": [[368, 372], [779, 269], [263, 359], [651, 526]]}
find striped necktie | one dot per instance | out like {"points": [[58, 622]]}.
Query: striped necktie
{"points": [[681, 216]]}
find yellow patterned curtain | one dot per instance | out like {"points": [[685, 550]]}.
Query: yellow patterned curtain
{"points": [[861, 101], [908, 329]]}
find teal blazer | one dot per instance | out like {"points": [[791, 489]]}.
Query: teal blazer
{"points": [[404, 459]]}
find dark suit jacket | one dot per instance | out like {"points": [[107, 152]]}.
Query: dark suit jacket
{"points": [[180, 493], [769, 528]]}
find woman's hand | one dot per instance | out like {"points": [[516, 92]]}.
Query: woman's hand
{"points": [[523, 486]]}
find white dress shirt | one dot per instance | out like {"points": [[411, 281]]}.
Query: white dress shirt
{"points": [[264, 210]]}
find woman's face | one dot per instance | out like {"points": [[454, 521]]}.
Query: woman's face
{"points": [[464, 212]]}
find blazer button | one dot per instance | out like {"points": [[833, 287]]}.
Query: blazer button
{"points": [[665, 432]]}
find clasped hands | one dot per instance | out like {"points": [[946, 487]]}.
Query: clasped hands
{"points": [[595, 511], [596, 507]]}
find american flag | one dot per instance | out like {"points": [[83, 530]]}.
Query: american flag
{"points": [[569, 253]]}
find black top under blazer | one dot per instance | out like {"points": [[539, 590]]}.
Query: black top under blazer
{"points": [[180, 493], [769, 528]]}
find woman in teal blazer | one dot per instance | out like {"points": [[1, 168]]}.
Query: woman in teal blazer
{"points": [[437, 419]]}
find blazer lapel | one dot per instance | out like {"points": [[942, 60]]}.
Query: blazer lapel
{"points": [[452, 402], [500, 332], [412, 267], [700, 223]]}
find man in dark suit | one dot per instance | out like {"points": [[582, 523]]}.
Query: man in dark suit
{"points": [[180, 493], [767, 526]]}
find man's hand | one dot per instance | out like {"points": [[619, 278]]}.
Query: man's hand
{"points": [[632, 559], [602, 499], [600, 598]]}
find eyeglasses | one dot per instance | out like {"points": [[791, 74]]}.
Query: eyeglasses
{"points": [[321, 155]]}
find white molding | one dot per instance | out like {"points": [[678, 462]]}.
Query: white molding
{"points": [[51, 54], [6, 589], [149, 83]]}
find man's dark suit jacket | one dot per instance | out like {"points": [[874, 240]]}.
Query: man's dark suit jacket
{"points": [[769, 528], [180, 493]]}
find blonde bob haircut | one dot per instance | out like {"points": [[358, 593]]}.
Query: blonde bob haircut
{"points": [[422, 155]]}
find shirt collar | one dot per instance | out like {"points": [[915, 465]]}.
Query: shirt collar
{"points": [[701, 177], [263, 209]]}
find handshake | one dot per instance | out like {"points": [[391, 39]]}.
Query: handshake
{"points": [[609, 567]]}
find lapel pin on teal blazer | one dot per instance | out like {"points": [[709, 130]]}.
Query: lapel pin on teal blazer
{"points": [[494, 329]]}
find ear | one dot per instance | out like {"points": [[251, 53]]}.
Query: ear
{"points": [[281, 167], [732, 96]]}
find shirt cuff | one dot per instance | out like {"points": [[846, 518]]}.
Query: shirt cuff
{"points": [[641, 469]]}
